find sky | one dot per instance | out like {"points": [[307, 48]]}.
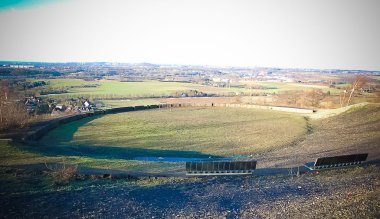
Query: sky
{"points": [[321, 34]]}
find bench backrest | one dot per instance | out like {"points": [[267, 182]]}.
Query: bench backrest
{"points": [[344, 159], [220, 167]]}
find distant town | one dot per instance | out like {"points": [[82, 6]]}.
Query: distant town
{"points": [[215, 76]]}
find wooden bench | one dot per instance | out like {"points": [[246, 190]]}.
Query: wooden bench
{"points": [[337, 161], [220, 167]]}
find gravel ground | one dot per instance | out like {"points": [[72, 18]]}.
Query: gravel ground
{"points": [[343, 193]]}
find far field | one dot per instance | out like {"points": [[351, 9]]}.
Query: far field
{"points": [[113, 93], [181, 132], [285, 86], [111, 88]]}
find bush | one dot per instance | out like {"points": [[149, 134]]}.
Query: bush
{"points": [[63, 174], [42, 108]]}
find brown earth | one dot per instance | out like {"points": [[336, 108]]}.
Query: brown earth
{"points": [[354, 131], [201, 100]]}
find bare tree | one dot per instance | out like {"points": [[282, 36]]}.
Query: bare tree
{"points": [[358, 82], [342, 97], [310, 98], [12, 110]]}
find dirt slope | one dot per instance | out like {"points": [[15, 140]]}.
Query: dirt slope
{"points": [[356, 130]]}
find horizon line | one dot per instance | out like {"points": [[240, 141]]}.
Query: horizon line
{"points": [[195, 65]]}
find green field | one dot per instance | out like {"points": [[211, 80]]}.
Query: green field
{"points": [[116, 89], [287, 86], [178, 132], [110, 88]]}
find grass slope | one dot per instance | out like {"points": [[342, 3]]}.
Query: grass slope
{"points": [[182, 132]]}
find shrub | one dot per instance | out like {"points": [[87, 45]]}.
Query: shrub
{"points": [[63, 174]]}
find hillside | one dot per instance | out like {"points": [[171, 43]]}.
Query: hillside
{"points": [[356, 130]]}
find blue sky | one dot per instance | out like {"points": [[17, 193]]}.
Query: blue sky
{"points": [[273, 33]]}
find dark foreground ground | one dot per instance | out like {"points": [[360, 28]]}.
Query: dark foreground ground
{"points": [[342, 193]]}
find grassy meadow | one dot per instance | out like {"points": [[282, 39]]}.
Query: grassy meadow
{"points": [[179, 132]]}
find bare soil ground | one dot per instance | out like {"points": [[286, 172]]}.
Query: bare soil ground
{"points": [[343, 193], [220, 100]]}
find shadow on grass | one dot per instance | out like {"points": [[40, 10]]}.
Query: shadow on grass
{"points": [[54, 143], [65, 132], [112, 152]]}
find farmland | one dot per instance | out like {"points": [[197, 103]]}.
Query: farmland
{"points": [[102, 88], [132, 89], [114, 93], [274, 87]]}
